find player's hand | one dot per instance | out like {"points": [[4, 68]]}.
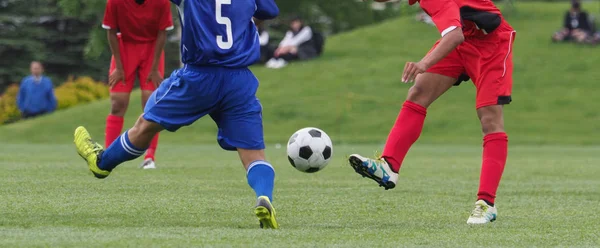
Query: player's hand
{"points": [[116, 76], [411, 70], [155, 77]]}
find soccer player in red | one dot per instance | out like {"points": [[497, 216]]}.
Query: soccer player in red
{"points": [[476, 43], [136, 31]]}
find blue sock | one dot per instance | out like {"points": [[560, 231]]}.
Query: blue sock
{"points": [[261, 177], [119, 151]]}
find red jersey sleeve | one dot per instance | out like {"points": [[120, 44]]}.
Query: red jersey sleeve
{"points": [[166, 19], [110, 16], [444, 13]]}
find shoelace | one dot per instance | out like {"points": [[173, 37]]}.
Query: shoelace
{"points": [[95, 146], [378, 155], [477, 212]]}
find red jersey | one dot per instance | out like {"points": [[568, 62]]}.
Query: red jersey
{"points": [[475, 17], [138, 23]]}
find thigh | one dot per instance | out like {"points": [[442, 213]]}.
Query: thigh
{"points": [[239, 115], [130, 64], [183, 98], [430, 85], [493, 72]]}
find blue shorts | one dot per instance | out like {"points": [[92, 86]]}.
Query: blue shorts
{"points": [[228, 95]]}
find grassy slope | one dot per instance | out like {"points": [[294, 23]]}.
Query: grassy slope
{"points": [[354, 92], [549, 197]]}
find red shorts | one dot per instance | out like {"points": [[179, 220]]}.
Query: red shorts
{"points": [[487, 61], [137, 63]]}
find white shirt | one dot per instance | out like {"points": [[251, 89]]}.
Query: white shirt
{"points": [[263, 38], [295, 40]]}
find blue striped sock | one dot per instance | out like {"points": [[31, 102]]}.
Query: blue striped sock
{"points": [[119, 151], [261, 178]]}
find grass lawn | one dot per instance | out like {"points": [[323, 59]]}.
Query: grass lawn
{"points": [[550, 194], [199, 197]]}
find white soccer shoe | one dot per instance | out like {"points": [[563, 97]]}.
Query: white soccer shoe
{"points": [[376, 169], [482, 214], [271, 63], [148, 164], [274, 63]]}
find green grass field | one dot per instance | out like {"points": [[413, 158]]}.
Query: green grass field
{"points": [[549, 196], [199, 197]]}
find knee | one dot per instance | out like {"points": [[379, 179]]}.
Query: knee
{"points": [[419, 96], [491, 123], [118, 106]]}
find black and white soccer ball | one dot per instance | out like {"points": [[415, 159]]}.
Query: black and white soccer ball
{"points": [[309, 149]]}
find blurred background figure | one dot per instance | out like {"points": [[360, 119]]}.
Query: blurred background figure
{"points": [[299, 43], [577, 26], [36, 93], [424, 17]]}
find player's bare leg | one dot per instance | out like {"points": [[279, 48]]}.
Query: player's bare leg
{"points": [[495, 149], [149, 159], [119, 101], [261, 177], [142, 133], [427, 88]]}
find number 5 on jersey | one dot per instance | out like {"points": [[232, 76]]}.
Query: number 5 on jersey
{"points": [[228, 43]]}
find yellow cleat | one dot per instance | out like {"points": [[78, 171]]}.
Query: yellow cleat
{"points": [[90, 151], [265, 213]]}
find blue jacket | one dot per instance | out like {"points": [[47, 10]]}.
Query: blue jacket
{"points": [[36, 97]]}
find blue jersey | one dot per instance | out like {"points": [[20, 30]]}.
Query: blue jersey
{"points": [[222, 32]]}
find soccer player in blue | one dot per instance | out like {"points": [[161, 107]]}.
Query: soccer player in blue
{"points": [[219, 42]]}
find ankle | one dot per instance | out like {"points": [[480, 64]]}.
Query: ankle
{"points": [[490, 203], [393, 166]]}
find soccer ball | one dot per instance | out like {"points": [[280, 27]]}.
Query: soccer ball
{"points": [[309, 149]]}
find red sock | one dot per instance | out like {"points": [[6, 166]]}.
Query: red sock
{"points": [[495, 150], [405, 132], [152, 148], [114, 126]]}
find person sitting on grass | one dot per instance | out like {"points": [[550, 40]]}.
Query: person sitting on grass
{"points": [[296, 45], [577, 26]]}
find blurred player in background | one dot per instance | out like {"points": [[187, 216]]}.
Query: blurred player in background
{"points": [[219, 42], [477, 43], [137, 32]]}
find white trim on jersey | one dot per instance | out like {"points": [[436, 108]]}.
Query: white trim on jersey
{"points": [[104, 26], [170, 28], [448, 30]]}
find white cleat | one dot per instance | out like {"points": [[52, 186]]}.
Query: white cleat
{"points": [[482, 214], [148, 164], [376, 169]]}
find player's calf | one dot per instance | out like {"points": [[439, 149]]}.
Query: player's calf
{"points": [[142, 133]]}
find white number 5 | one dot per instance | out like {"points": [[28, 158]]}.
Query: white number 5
{"points": [[224, 21]]}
